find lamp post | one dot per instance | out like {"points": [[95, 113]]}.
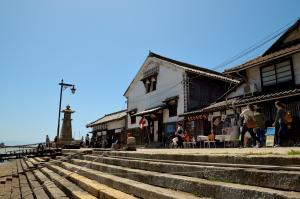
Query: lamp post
{"points": [[62, 86]]}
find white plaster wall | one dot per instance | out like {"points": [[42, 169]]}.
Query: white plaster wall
{"points": [[253, 75], [168, 85], [116, 124], [296, 64]]}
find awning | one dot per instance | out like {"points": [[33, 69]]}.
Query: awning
{"points": [[230, 103], [213, 107], [149, 111], [171, 98]]}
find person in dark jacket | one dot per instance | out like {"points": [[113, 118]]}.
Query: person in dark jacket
{"points": [[260, 125], [179, 134], [279, 123]]}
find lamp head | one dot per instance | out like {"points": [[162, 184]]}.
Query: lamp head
{"points": [[73, 89]]}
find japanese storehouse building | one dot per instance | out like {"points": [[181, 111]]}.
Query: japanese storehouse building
{"points": [[110, 126], [273, 76], [164, 89]]}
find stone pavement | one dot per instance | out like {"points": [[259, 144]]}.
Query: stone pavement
{"points": [[225, 151], [264, 173]]}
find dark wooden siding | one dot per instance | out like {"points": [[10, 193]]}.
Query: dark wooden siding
{"points": [[203, 91]]}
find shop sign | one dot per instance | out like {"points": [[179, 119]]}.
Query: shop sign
{"points": [[197, 117], [270, 136], [118, 130], [229, 112], [217, 114]]}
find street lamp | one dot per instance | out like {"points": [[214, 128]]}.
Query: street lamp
{"points": [[62, 87]]}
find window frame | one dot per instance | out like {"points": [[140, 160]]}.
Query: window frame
{"points": [[174, 108], [275, 63], [132, 121]]}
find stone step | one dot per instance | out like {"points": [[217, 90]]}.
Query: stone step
{"points": [[256, 159], [51, 189], [29, 164], [129, 186], [68, 187], [93, 187], [16, 191], [203, 187], [19, 167], [253, 166], [26, 191], [7, 189], [36, 187], [284, 180]]}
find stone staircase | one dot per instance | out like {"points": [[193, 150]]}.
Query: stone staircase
{"points": [[117, 174]]}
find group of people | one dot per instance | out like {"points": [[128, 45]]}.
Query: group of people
{"points": [[182, 136], [254, 123], [100, 141]]}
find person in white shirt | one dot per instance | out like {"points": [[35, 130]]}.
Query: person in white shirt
{"points": [[248, 114]]}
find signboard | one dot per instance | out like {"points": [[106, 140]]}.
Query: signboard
{"points": [[216, 114], [229, 112], [270, 134], [118, 130], [197, 117]]}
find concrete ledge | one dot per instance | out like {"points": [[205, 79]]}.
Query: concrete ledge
{"points": [[51, 189], [203, 187], [82, 151], [138, 189], [96, 189], [279, 160], [68, 187], [285, 180]]}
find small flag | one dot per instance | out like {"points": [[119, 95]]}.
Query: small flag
{"points": [[142, 122]]}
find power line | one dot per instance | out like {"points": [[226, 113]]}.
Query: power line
{"points": [[256, 45]]}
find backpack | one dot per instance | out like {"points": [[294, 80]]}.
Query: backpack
{"points": [[288, 117]]}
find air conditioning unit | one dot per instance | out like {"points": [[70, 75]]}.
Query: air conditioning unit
{"points": [[249, 89]]}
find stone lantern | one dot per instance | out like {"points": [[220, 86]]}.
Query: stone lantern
{"points": [[66, 129]]}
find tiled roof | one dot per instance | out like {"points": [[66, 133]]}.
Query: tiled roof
{"points": [[247, 100], [195, 69], [151, 110], [108, 118], [268, 97], [264, 59]]}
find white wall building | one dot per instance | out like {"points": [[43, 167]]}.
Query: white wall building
{"points": [[160, 93]]}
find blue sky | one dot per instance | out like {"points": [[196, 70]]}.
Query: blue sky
{"points": [[100, 45]]}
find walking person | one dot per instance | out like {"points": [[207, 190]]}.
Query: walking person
{"points": [[279, 123], [179, 134], [248, 125], [260, 125], [87, 140], [47, 141], [81, 142]]}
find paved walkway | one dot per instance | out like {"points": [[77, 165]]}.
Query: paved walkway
{"points": [[282, 151], [228, 151]]}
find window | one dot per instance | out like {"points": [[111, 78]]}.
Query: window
{"points": [[133, 119], [172, 109], [153, 81], [277, 74], [150, 84]]}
